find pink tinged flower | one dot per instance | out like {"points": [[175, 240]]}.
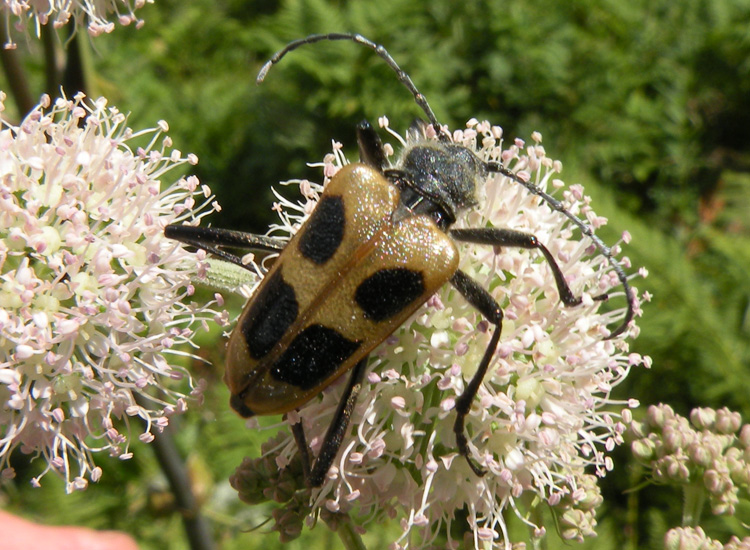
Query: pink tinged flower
{"points": [[97, 14], [539, 421], [93, 298]]}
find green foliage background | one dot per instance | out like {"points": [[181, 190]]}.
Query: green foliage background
{"points": [[646, 102]]}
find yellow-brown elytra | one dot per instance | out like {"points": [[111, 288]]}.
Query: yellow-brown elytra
{"points": [[376, 247]]}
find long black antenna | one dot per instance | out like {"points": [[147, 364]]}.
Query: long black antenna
{"points": [[404, 78], [494, 167]]}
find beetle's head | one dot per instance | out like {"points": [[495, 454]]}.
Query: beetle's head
{"points": [[442, 172]]}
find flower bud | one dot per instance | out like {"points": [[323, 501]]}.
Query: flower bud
{"points": [[703, 418]]}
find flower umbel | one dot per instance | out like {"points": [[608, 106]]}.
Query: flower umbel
{"points": [[707, 455], [538, 424], [94, 300]]}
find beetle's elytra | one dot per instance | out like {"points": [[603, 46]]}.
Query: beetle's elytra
{"points": [[376, 247], [349, 277]]}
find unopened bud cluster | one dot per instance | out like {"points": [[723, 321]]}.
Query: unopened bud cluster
{"points": [[260, 480], [694, 538], [577, 510], [711, 449]]}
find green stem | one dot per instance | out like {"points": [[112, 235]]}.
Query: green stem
{"points": [[633, 507], [51, 76], [14, 72], [74, 75], [197, 528], [694, 497], [350, 537]]}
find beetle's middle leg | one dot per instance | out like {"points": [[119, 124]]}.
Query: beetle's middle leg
{"points": [[482, 300], [315, 473], [519, 239]]}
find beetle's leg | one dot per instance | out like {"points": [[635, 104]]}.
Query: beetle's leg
{"points": [[371, 150], [478, 297], [315, 475], [585, 229], [519, 239], [298, 431], [211, 239]]}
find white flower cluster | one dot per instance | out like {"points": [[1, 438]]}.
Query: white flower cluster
{"points": [[94, 300], [540, 424]]}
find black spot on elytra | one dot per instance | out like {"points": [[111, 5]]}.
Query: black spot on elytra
{"points": [[324, 230], [274, 308], [313, 356], [388, 291]]}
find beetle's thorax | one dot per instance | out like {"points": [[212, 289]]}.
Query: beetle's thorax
{"points": [[439, 179]]}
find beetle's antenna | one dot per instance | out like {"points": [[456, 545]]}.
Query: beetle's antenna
{"points": [[604, 250], [495, 167], [403, 77]]}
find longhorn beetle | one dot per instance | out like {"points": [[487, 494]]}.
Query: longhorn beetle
{"points": [[376, 247]]}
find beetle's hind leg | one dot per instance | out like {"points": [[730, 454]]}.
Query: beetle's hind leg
{"points": [[212, 240], [478, 297], [315, 473]]}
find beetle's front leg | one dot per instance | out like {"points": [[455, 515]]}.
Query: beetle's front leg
{"points": [[371, 151], [212, 239], [519, 239], [478, 297], [315, 474]]}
